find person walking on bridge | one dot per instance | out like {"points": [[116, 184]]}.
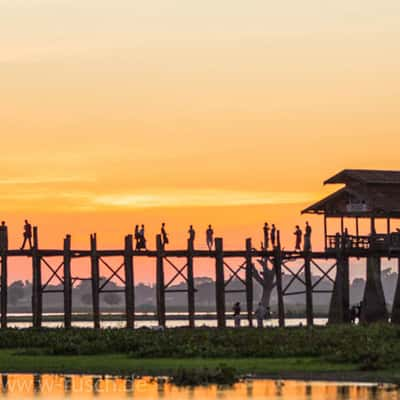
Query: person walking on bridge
{"points": [[273, 235], [27, 235], [142, 238], [298, 233], [164, 235], [307, 237], [266, 236], [3, 236], [210, 237], [192, 234]]}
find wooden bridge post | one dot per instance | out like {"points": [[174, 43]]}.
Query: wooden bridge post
{"points": [[4, 278], [94, 260], [249, 282], [220, 282], [279, 290], [67, 283], [37, 299], [309, 288], [191, 288], [129, 283], [373, 306], [160, 285]]}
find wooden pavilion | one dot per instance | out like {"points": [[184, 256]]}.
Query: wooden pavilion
{"points": [[367, 194], [372, 195]]}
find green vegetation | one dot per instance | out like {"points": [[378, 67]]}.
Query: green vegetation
{"points": [[267, 351]]}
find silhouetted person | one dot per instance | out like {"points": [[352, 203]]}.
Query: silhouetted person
{"points": [[137, 237], [298, 233], [192, 234], [164, 235], [266, 235], [210, 237], [142, 238], [3, 236], [27, 235], [236, 314], [307, 237], [273, 235]]}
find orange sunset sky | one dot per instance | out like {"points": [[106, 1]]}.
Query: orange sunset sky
{"points": [[120, 112]]}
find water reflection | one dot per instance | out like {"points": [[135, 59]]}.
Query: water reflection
{"points": [[45, 387]]}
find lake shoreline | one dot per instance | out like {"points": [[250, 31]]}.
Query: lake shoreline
{"points": [[304, 369]]}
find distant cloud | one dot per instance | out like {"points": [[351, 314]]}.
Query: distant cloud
{"points": [[202, 198], [42, 180]]}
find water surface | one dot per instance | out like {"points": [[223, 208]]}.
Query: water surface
{"points": [[43, 387]]}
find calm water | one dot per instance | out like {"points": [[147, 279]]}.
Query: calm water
{"points": [[90, 387], [154, 323]]}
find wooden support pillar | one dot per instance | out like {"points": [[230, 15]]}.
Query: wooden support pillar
{"points": [[95, 281], [249, 282], [395, 318], [37, 298], [309, 289], [190, 283], [326, 232], [160, 286], [373, 306], [357, 227], [340, 301], [129, 283], [220, 282], [67, 283], [4, 278], [279, 290]]}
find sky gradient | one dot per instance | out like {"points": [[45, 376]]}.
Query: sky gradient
{"points": [[232, 113]]}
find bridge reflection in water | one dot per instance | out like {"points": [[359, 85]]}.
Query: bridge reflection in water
{"points": [[18, 386]]}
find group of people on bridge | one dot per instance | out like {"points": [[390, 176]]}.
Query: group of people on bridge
{"points": [[271, 237]]}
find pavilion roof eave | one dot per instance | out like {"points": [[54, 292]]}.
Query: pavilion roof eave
{"points": [[317, 208]]}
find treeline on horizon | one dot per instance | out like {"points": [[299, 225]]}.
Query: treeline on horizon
{"points": [[20, 292]]}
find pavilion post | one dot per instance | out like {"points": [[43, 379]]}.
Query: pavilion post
{"points": [[395, 318], [373, 306]]}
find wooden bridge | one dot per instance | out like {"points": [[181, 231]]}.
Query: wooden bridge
{"points": [[332, 265]]}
